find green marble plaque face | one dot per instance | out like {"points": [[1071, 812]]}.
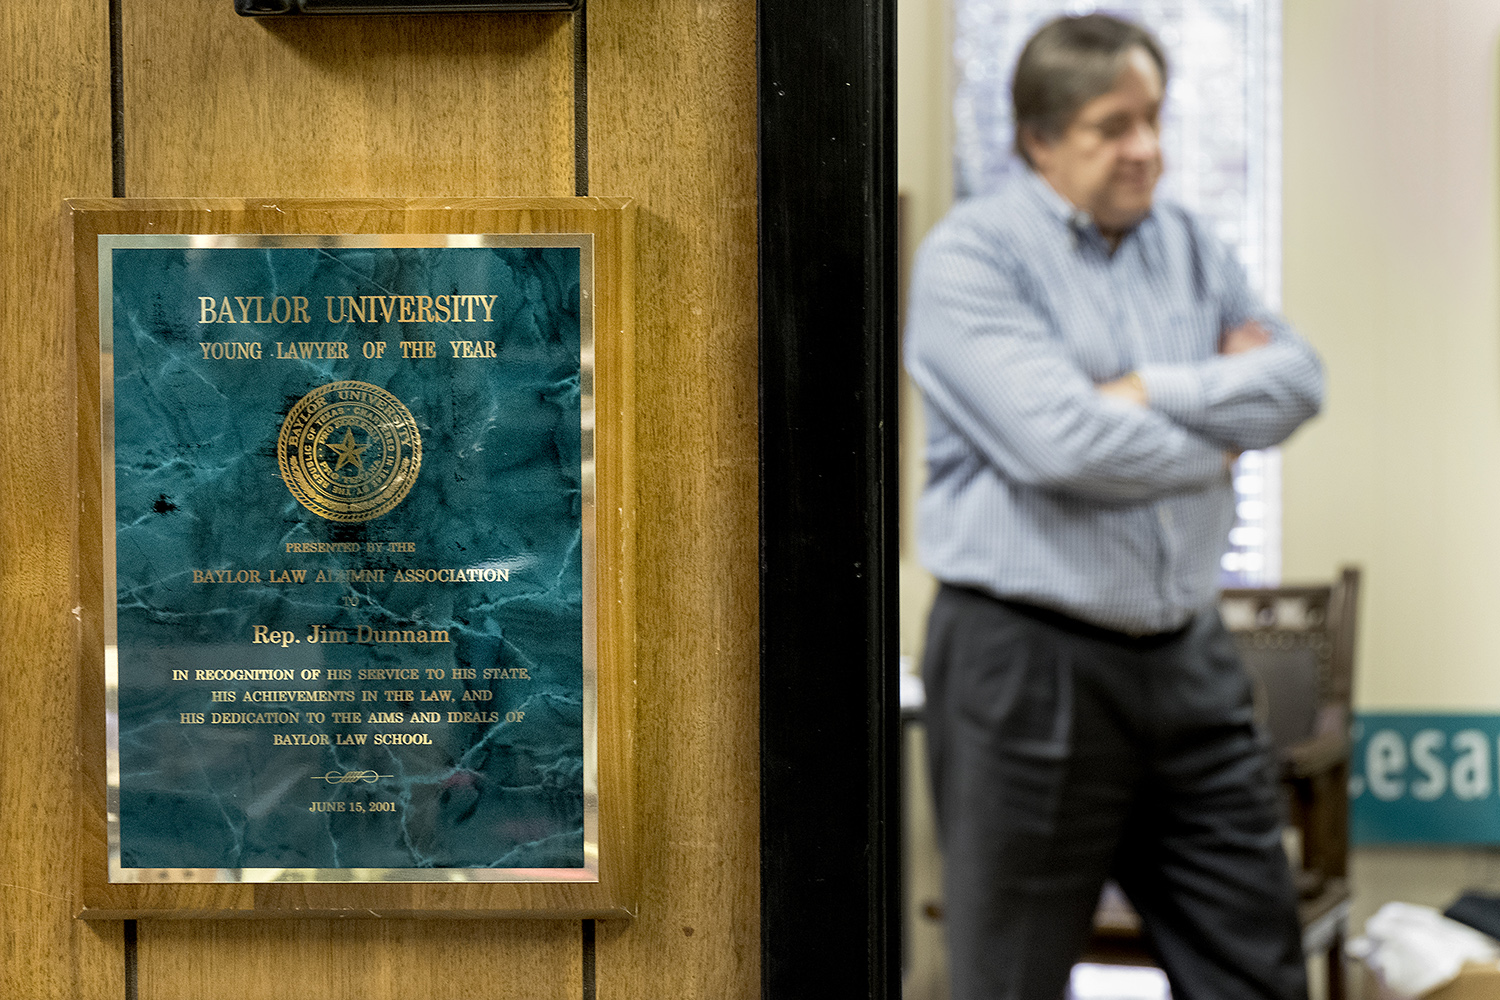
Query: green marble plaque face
{"points": [[349, 526]]}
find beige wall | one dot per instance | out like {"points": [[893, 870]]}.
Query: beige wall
{"points": [[924, 149], [1390, 268], [924, 171]]}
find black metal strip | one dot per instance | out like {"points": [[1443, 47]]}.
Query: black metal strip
{"points": [[132, 975], [589, 985], [828, 506], [581, 100], [116, 101], [266, 8]]}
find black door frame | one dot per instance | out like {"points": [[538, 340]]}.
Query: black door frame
{"points": [[828, 502]]}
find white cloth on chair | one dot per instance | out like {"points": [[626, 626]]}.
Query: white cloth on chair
{"points": [[1414, 949]]}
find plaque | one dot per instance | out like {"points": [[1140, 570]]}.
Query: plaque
{"points": [[350, 562]]}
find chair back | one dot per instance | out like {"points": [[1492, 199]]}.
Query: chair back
{"points": [[1298, 647]]}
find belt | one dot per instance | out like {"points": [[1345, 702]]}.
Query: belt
{"points": [[1088, 630]]}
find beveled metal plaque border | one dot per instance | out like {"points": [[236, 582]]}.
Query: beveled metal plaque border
{"points": [[584, 242]]}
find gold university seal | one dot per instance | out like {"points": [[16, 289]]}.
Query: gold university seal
{"points": [[349, 451]]}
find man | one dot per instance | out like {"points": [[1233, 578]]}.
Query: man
{"points": [[1092, 363]]}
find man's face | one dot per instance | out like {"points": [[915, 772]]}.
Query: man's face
{"points": [[1108, 160]]}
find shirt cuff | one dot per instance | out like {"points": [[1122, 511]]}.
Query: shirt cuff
{"points": [[1175, 391]]}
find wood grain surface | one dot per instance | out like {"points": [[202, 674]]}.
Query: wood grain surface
{"points": [[375, 959], [672, 120], [221, 105], [441, 106], [54, 116]]}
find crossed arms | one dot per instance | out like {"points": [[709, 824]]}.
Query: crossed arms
{"points": [[989, 362]]}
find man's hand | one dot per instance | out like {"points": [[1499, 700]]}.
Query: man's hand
{"points": [[1129, 387], [1248, 336]]}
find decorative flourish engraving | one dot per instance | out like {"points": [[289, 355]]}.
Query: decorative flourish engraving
{"points": [[349, 451], [350, 777]]}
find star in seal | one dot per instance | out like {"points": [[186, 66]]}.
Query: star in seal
{"points": [[349, 451]]}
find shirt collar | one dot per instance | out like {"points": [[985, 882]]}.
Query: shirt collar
{"points": [[1057, 207], [1054, 204]]}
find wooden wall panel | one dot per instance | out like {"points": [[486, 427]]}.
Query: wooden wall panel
{"points": [[54, 117], [477, 106], [374, 959], [220, 105], [358, 107], [673, 124]]}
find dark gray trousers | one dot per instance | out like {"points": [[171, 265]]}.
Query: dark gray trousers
{"points": [[1062, 755]]}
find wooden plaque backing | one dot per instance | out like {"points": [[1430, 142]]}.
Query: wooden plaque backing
{"points": [[612, 223]]}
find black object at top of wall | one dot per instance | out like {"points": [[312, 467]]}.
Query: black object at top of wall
{"points": [[262, 8]]}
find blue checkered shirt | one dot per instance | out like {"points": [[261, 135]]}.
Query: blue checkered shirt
{"points": [[1039, 488]]}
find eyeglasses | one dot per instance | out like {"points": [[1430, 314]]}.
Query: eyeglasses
{"points": [[1117, 126]]}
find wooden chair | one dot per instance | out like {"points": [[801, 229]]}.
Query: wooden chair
{"points": [[1298, 646]]}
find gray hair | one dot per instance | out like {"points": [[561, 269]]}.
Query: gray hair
{"points": [[1069, 62]]}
